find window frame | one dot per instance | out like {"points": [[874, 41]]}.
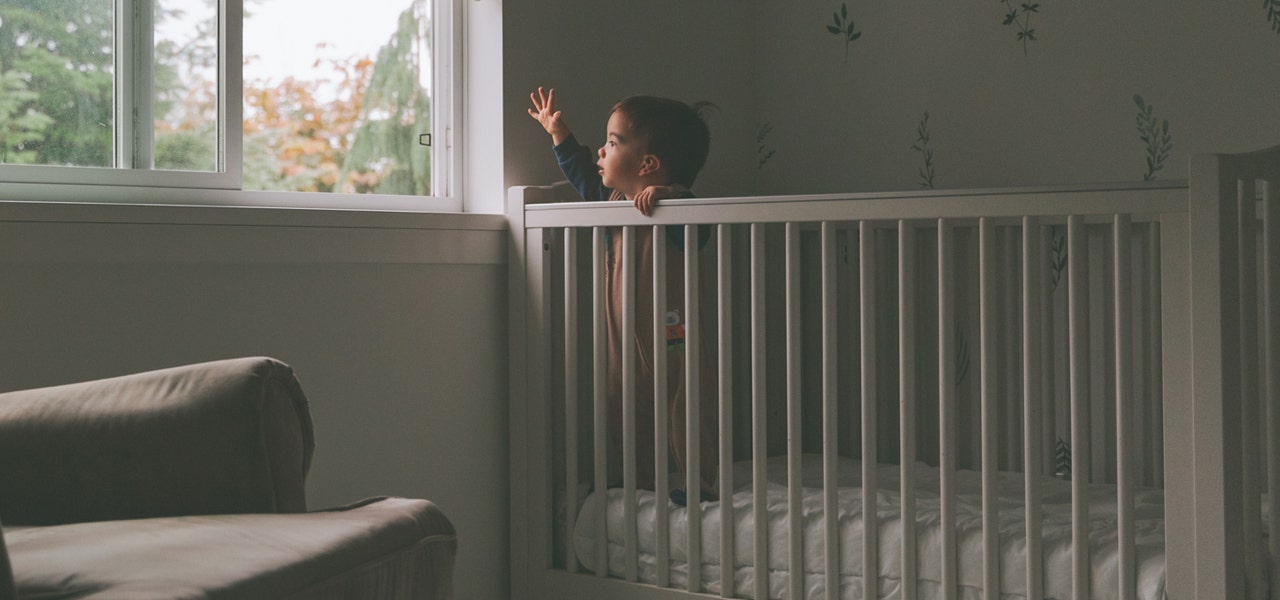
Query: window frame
{"points": [[134, 46]]}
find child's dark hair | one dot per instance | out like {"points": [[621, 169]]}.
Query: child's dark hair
{"points": [[673, 131]]}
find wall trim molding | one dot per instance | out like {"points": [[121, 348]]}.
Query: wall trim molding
{"points": [[32, 232]]}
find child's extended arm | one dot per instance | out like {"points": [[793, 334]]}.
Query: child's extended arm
{"points": [[575, 160], [544, 110]]}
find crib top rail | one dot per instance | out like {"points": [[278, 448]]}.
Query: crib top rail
{"points": [[554, 206]]}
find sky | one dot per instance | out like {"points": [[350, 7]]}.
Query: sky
{"points": [[284, 33]]}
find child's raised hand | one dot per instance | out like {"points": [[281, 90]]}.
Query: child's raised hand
{"points": [[544, 110]]}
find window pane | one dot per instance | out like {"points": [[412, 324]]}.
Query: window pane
{"points": [[336, 95], [185, 85], [56, 82]]}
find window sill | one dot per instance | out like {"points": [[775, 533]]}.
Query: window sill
{"points": [[107, 204], [70, 232]]}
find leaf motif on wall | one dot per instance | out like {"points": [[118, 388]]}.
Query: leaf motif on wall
{"points": [[922, 146], [1021, 16], [1273, 14], [1057, 262], [844, 27], [1155, 135], [763, 151]]}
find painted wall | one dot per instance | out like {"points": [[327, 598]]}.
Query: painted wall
{"points": [[831, 96], [394, 323], [1057, 106]]}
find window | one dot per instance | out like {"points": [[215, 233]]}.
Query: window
{"points": [[236, 101]]}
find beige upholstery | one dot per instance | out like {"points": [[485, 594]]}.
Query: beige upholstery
{"points": [[6, 575], [190, 483]]}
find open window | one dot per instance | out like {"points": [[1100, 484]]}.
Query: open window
{"points": [[272, 102]]}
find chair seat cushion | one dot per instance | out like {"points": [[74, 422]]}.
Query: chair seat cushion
{"points": [[382, 547]]}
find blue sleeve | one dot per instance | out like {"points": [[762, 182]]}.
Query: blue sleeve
{"points": [[579, 167]]}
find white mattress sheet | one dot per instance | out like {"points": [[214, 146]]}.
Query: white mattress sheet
{"points": [[1149, 504]]}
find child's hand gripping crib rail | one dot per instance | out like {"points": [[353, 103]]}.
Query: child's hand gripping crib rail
{"points": [[1064, 316]]}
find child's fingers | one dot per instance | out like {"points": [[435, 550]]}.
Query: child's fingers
{"points": [[644, 203]]}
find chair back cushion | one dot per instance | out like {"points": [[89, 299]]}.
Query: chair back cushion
{"points": [[230, 436]]}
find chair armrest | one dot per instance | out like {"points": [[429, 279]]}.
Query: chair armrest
{"points": [[231, 436], [8, 590]]}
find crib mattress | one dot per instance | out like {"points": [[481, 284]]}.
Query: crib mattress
{"points": [[1057, 548]]}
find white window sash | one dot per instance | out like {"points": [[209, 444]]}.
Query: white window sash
{"points": [[141, 184]]}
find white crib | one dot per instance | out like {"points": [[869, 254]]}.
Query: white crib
{"points": [[1045, 393]]}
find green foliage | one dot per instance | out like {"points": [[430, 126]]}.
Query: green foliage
{"points": [[843, 26], [1021, 16], [922, 146], [20, 122], [56, 103], [763, 152], [385, 156], [1062, 459], [1273, 14], [186, 151], [60, 49], [1156, 136]]}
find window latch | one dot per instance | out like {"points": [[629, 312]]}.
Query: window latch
{"points": [[424, 139]]}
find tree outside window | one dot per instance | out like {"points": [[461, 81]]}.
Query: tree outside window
{"points": [[351, 123]]}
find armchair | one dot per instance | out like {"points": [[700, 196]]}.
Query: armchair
{"points": [[190, 483]]}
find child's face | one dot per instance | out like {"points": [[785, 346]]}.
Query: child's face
{"points": [[621, 156]]}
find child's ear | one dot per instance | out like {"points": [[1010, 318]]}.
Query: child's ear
{"points": [[650, 164]]}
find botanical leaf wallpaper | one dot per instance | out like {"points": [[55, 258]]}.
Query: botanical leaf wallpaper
{"points": [[1040, 93], [844, 27], [834, 96], [1156, 137], [1020, 16]]}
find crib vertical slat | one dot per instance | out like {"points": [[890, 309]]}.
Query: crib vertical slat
{"points": [[570, 391], [987, 375], [947, 407], [795, 516], [1127, 575], [1009, 347], [759, 412], [600, 446], [1248, 252], [724, 268], [1271, 297], [1032, 402], [1154, 312], [830, 423], [630, 546], [870, 485], [1048, 422], [692, 408], [661, 410], [907, 402], [1077, 268]]}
